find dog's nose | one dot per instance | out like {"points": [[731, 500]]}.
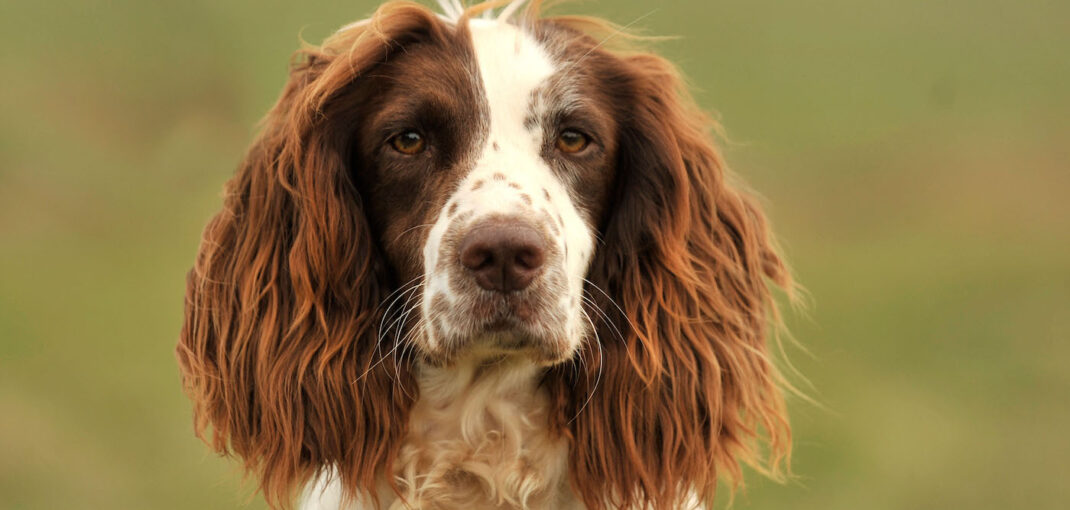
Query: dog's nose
{"points": [[503, 257]]}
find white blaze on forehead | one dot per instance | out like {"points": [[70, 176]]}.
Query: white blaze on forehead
{"points": [[512, 65]]}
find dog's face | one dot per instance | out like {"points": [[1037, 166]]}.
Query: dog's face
{"points": [[486, 162]]}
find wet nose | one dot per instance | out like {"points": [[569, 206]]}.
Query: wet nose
{"points": [[503, 257]]}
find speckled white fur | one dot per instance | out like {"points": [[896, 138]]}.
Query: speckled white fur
{"points": [[513, 66]]}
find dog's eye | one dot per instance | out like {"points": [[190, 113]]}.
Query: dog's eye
{"points": [[571, 141], [409, 143]]}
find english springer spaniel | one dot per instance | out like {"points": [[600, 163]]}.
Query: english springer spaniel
{"points": [[485, 259]]}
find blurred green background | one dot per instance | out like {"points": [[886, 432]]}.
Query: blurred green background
{"points": [[913, 154]]}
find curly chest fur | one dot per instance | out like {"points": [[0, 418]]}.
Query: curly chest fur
{"points": [[478, 438]]}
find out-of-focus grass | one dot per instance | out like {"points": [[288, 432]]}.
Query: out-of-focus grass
{"points": [[913, 155]]}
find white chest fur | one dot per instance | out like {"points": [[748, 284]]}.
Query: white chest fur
{"points": [[478, 439]]}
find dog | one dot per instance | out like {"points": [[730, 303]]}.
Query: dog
{"points": [[483, 258]]}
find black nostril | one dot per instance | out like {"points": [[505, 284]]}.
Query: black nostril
{"points": [[503, 257]]}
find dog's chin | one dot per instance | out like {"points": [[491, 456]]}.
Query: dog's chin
{"points": [[500, 340]]}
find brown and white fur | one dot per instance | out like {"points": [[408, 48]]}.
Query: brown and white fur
{"points": [[478, 260]]}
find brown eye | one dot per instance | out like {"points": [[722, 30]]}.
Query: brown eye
{"points": [[409, 142], [572, 141]]}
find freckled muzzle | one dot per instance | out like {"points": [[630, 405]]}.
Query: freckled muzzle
{"points": [[505, 259], [506, 279]]}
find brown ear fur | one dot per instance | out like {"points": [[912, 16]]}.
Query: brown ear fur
{"points": [[278, 351], [682, 284]]}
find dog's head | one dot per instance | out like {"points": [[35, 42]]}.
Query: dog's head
{"points": [[486, 165], [441, 189]]}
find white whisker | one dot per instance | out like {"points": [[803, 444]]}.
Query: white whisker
{"points": [[605, 318], [426, 225], [407, 295], [615, 305], [598, 378]]}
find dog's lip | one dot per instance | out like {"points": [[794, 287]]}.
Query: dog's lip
{"points": [[502, 324], [510, 317], [505, 334], [507, 331], [507, 310]]}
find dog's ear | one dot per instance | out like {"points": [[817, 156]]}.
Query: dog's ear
{"points": [[279, 348], [686, 389]]}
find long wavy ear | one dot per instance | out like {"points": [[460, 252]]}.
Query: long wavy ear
{"points": [[686, 389], [279, 347]]}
